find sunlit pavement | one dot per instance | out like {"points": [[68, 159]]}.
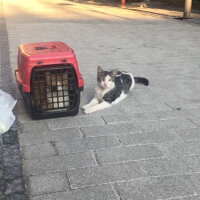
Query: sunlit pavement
{"points": [[146, 147]]}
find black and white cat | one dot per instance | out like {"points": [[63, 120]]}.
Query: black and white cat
{"points": [[112, 87]]}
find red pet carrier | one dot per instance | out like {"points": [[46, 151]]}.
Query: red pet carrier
{"points": [[49, 79]]}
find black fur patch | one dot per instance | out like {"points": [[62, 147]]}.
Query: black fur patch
{"points": [[123, 82], [141, 80]]}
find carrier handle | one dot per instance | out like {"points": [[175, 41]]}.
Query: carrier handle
{"points": [[40, 48], [49, 47]]}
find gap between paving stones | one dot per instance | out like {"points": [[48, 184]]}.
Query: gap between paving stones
{"points": [[147, 176], [57, 153], [132, 179], [99, 164], [175, 132], [47, 126]]}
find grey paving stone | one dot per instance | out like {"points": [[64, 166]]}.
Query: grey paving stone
{"points": [[146, 96], [96, 193], [42, 137], [195, 180], [190, 93], [80, 145], [129, 117], [113, 129], [167, 166], [149, 137], [78, 121], [165, 124], [157, 188], [175, 114], [58, 163], [48, 183], [147, 108], [135, 189], [183, 104], [31, 126], [193, 113], [120, 154], [93, 176], [196, 121], [191, 198], [180, 148], [189, 134], [38, 151]]}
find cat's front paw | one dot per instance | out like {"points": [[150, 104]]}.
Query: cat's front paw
{"points": [[87, 111], [85, 107]]}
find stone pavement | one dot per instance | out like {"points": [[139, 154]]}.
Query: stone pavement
{"points": [[146, 147]]}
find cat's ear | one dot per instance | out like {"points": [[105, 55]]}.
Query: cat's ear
{"points": [[99, 69], [114, 72]]}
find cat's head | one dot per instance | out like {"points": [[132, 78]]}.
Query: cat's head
{"points": [[106, 79]]}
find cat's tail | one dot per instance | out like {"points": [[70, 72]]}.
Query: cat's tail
{"points": [[141, 80]]}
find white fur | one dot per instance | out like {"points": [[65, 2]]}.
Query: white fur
{"points": [[120, 98], [93, 102], [97, 107], [133, 81]]}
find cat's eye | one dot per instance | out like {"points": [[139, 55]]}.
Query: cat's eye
{"points": [[109, 79]]}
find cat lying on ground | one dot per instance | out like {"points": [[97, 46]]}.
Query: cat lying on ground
{"points": [[112, 87]]}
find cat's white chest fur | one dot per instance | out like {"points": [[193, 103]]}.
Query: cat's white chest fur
{"points": [[100, 92]]}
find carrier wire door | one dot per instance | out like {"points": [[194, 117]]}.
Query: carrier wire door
{"points": [[54, 89]]}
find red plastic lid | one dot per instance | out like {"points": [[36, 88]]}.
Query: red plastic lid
{"points": [[45, 47]]}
